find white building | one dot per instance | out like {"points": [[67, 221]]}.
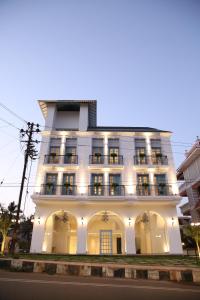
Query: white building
{"points": [[103, 190], [189, 172]]}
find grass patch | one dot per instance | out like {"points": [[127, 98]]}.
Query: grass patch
{"points": [[161, 260]]}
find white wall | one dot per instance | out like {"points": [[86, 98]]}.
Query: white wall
{"points": [[67, 119]]}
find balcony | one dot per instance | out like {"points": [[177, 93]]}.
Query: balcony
{"points": [[154, 190], [116, 190], [163, 189], [112, 159], [150, 160], [159, 159], [106, 190], [53, 189], [96, 190], [61, 159]]}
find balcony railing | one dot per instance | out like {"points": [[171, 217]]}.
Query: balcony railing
{"points": [[106, 190], [53, 189], [97, 159], [106, 159], [96, 190], [116, 190], [159, 160], [157, 190], [61, 159], [163, 189], [154, 160], [144, 189], [110, 190]]}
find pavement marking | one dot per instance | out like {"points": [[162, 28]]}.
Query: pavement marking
{"points": [[99, 285]]}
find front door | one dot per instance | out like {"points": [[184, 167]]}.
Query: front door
{"points": [[106, 242]]}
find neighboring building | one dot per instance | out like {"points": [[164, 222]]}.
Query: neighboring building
{"points": [[189, 172], [103, 190]]}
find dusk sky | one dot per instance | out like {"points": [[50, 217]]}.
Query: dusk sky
{"points": [[139, 59]]}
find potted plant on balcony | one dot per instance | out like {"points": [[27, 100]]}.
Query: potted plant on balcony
{"points": [[145, 184], [142, 157], [97, 155], [97, 184]]}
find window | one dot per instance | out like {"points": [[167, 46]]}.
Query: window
{"points": [[68, 184], [115, 188], [143, 187], [113, 151], [140, 151], [97, 188], [54, 151], [70, 151], [97, 151], [50, 185], [161, 187], [156, 151]]}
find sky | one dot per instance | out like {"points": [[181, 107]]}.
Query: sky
{"points": [[139, 58]]}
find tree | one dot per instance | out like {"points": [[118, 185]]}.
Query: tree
{"points": [[193, 231], [7, 216]]}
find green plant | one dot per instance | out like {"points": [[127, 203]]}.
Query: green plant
{"points": [[193, 231], [97, 154]]}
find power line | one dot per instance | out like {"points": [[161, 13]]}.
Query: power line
{"points": [[12, 112], [10, 124]]}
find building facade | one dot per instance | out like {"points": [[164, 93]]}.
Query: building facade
{"points": [[103, 190], [189, 173]]}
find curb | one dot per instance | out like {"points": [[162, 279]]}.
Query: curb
{"points": [[166, 273]]}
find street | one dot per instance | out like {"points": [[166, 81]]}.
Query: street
{"points": [[23, 286]]}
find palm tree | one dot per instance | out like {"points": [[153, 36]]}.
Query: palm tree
{"points": [[7, 216], [193, 231]]}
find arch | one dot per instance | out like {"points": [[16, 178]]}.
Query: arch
{"points": [[150, 233], [60, 233], [105, 233]]}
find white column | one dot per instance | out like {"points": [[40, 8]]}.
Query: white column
{"points": [[130, 238], [62, 149], [82, 238], [174, 237], [38, 235]]}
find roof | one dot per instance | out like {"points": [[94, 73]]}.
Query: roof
{"points": [[191, 155], [125, 129]]}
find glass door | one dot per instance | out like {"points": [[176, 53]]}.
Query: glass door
{"points": [[106, 242]]}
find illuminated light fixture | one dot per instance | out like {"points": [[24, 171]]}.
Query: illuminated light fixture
{"points": [[172, 221], [38, 220], [158, 236], [195, 224], [105, 217], [145, 218], [82, 220], [129, 221], [63, 218]]}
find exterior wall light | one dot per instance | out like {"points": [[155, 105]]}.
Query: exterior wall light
{"points": [[82, 220], [129, 221], [173, 221], [38, 220]]}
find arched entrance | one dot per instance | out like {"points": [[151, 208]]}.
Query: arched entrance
{"points": [[150, 234], [60, 233], [105, 234]]}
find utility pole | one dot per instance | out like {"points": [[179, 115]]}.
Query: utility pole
{"points": [[30, 152]]}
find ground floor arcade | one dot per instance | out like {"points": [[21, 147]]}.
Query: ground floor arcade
{"points": [[103, 230]]}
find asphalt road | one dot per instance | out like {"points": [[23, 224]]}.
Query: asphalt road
{"points": [[30, 286]]}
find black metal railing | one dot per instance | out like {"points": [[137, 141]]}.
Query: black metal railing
{"points": [[48, 189], [116, 190], [153, 159], [68, 189], [53, 189], [163, 189], [159, 159], [61, 159], [106, 159], [141, 159], [96, 190], [144, 190], [97, 159]]}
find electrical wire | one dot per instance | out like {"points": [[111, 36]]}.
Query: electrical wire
{"points": [[27, 186], [12, 112]]}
